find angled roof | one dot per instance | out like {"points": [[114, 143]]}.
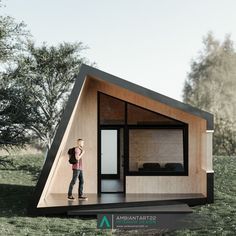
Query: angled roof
{"points": [[86, 70], [93, 72]]}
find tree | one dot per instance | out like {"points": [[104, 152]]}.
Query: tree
{"points": [[211, 86], [44, 78], [13, 38], [34, 84], [14, 110]]}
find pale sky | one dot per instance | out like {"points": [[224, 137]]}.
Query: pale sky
{"points": [[148, 42]]}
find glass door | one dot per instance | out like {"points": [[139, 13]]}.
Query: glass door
{"points": [[112, 160], [109, 168]]}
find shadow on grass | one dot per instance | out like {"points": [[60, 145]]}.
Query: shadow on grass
{"points": [[14, 199], [34, 171]]}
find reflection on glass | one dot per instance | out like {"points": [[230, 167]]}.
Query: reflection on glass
{"points": [[138, 115], [112, 110]]}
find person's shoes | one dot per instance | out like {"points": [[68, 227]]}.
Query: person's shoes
{"points": [[71, 197], [83, 197]]}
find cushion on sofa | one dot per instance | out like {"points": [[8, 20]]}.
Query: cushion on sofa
{"points": [[151, 166], [174, 167]]}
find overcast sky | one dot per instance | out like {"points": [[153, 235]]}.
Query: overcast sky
{"points": [[148, 42]]}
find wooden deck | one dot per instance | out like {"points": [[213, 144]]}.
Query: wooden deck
{"points": [[120, 200], [163, 209]]}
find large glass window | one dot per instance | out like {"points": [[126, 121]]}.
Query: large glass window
{"points": [[156, 150], [112, 110], [141, 116], [154, 143]]}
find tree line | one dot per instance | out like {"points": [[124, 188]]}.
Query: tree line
{"points": [[35, 82], [211, 86]]}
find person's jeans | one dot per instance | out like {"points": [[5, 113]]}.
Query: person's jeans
{"points": [[76, 174]]}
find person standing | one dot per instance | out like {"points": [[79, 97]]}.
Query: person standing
{"points": [[77, 172]]}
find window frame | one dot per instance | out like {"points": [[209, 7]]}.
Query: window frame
{"points": [[184, 129], [181, 125]]}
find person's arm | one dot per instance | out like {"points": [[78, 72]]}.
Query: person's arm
{"points": [[78, 155]]}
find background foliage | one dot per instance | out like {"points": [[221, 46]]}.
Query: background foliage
{"points": [[35, 82], [37, 87], [211, 86]]}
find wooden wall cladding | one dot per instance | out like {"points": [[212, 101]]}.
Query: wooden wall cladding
{"points": [[84, 126]]}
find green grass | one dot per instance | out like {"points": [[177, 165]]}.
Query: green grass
{"points": [[219, 218], [17, 183]]}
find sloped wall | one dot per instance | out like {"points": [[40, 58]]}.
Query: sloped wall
{"points": [[84, 126]]}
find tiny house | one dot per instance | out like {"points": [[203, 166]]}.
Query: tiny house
{"points": [[141, 148]]}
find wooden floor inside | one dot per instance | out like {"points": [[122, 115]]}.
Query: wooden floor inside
{"points": [[112, 185], [119, 199]]}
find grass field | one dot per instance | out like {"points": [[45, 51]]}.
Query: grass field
{"points": [[17, 183]]}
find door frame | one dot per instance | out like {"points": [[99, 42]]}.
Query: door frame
{"points": [[99, 175]]}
